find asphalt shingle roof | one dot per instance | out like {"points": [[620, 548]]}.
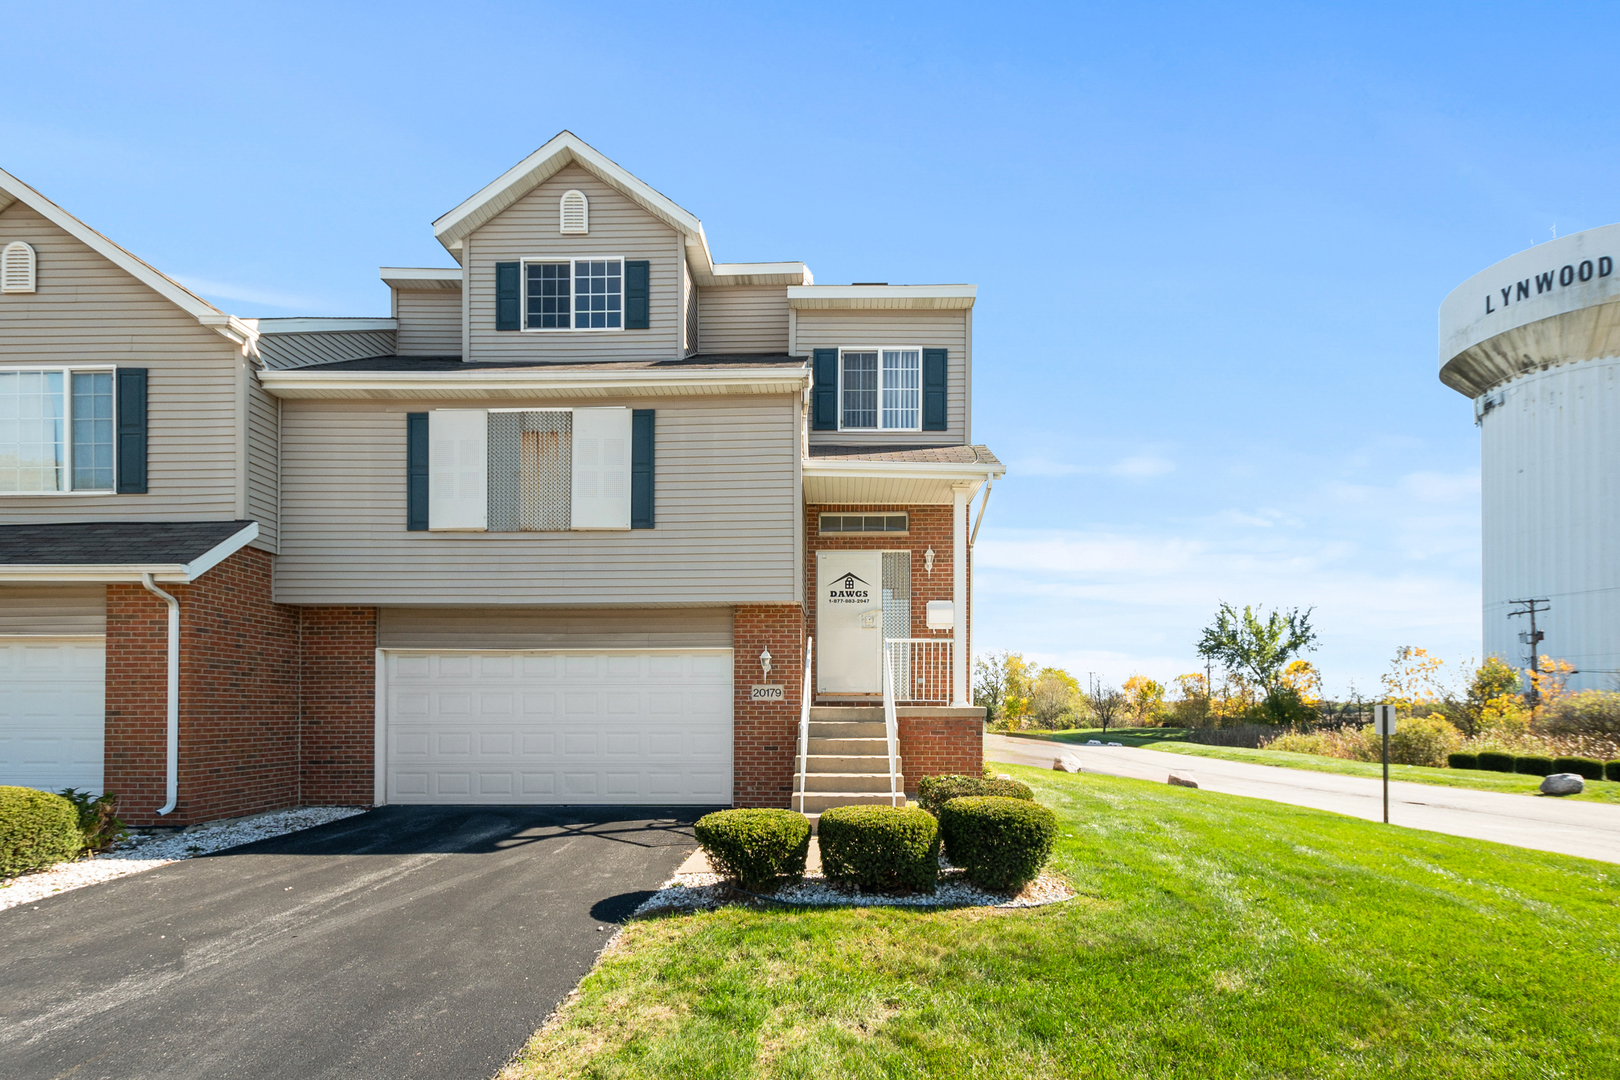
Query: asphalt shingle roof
{"points": [[101, 543], [437, 364], [943, 455]]}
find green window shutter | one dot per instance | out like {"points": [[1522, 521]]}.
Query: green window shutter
{"points": [[637, 299], [131, 425], [641, 468], [508, 296], [824, 395], [934, 369], [416, 472]]}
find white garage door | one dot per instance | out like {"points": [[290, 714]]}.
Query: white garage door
{"points": [[559, 727], [52, 713]]}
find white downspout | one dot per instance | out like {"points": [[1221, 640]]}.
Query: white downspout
{"points": [[173, 709]]}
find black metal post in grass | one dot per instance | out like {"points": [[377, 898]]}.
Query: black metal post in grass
{"points": [[1384, 724]]}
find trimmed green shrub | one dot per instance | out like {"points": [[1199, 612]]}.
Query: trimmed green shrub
{"points": [[1462, 761], [756, 848], [1002, 843], [1491, 761], [934, 792], [98, 818], [1533, 765], [1612, 770], [37, 829], [1584, 767], [880, 847]]}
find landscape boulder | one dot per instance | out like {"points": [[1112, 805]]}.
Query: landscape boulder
{"points": [[1563, 783], [1066, 763], [1182, 779]]}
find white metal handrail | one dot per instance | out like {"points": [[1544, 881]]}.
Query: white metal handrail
{"points": [[891, 726], [804, 718], [923, 668]]}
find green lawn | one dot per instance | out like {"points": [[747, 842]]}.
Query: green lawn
{"points": [[1213, 936], [1168, 740]]}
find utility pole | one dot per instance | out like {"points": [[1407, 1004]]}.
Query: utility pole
{"points": [[1532, 637]]}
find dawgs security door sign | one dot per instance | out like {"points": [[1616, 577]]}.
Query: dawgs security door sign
{"points": [[849, 622]]}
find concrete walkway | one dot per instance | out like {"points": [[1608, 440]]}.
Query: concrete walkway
{"points": [[1589, 830]]}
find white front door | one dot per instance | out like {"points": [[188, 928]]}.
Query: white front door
{"points": [[583, 726], [849, 622], [52, 712]]}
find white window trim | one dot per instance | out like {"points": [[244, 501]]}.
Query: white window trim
{"points": [[67, 429], [880, 350], [523, 295]]}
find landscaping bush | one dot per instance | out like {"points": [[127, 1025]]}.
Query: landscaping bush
{"points": [[757, 848], [1584, 767], [98, 818], [934, 792], [1422, 740], [1002, 843], [1589, 712], [1533, 765], [37, 829], [1612, 770], [1462, 761], [880, 847], [1491, 761]]}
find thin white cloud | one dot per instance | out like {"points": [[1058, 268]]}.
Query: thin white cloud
{"points": [[247, 294], [1131, 467]]}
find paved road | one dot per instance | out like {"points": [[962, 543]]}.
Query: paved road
{"points": [[1590, 830], [407, 942]]}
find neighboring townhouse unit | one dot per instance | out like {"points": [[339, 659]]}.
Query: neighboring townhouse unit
{"points": [[560, 529]]}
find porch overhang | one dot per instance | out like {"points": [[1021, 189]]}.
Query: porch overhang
{"points": [[172, 552], [859, 477]]}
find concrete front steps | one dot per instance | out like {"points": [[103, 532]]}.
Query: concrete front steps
{"points": [[847, 762]]}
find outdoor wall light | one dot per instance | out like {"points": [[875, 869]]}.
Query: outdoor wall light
{"points": [[765, 662], [928, 560]]}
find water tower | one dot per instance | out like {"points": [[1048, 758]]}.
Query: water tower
{"points": [[1534, 341]]}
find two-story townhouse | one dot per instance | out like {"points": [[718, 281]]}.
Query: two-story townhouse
{"points": [[561, 529]]}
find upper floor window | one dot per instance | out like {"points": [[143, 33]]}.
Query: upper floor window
{"points": [[579, 294], [881, 389], [56, 430]]}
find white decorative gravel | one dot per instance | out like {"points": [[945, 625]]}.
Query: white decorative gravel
{"points": [[704, 892], [150, 851]]}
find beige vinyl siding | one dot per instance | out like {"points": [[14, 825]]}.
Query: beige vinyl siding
{"points": [[725, 509], [745, 319], [554, 628], [619, 228], [323, 347], [834, 328], [89, 311], [263, 462], [429, 321], [53, 610]]}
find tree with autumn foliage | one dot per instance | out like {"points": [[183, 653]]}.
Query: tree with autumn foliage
{"points": [[1144, 699]]}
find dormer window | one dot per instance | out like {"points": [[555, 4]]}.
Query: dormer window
{"points": [[17, 268], [575, 213], [580, 294]]}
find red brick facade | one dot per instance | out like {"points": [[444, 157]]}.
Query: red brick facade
{"points": [[338, 705], [238, 696], [765, 734], [940, 746], [930, 527]]}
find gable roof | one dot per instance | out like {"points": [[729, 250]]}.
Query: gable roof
{"points": [[13, 190], [566, 149]]}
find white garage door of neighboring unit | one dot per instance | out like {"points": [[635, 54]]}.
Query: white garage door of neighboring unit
{"points": [[52, 713], [559, 727]]}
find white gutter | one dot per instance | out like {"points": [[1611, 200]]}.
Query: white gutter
{"points": [[173, 707], [300, 382], [930, 470]]}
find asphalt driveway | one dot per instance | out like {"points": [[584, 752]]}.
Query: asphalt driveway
{"points": [[406, 942]]}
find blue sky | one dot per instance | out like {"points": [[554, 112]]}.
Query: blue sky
{"points": [[1210, 242]]}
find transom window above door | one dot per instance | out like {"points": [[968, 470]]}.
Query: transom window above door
{"points": [[575, 294], [880, 389]]}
